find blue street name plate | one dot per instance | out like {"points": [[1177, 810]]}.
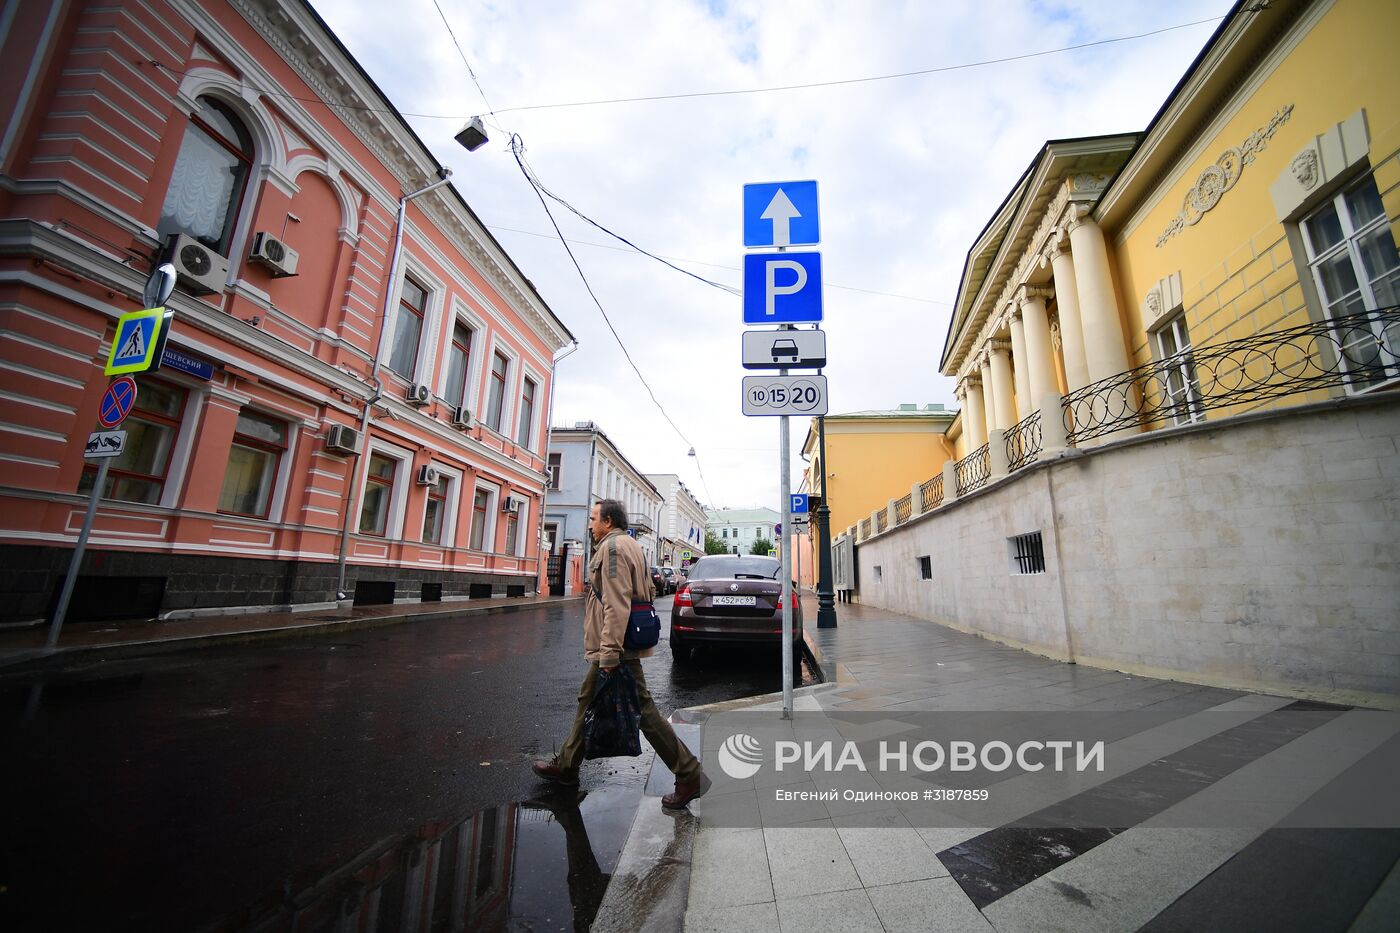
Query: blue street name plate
{"points": [[782, 288], [174, 359]]}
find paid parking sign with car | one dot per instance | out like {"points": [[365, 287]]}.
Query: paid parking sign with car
{"points": [[784, 349]]}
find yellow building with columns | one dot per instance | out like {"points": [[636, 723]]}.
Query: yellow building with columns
{"points": [[871, 458], [1263, 197]]}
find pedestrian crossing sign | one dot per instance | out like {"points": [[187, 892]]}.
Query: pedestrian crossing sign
{"points": [[137, 341]]}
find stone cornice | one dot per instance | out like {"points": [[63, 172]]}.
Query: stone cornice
{"points": [[1074, 195], [319, 61]]}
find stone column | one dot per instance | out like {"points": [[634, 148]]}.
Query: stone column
{"points": [[1025, 402], [1098, 308], [974, 415], [989, 398], [1071, 328], [1004, 413], [1040, 365]]}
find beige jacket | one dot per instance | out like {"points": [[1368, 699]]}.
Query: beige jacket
{"points": [[617, 574]]}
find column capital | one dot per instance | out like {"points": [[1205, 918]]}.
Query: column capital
{"points": [[1028, 293], [1078, 215], [999, 346], [1057, 244]]}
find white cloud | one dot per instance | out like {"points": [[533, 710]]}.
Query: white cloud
{"points": [[910, 171]]}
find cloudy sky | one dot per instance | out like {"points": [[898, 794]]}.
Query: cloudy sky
{"points": [[910, 170]]}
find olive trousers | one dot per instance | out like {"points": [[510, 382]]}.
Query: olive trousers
{"points": [[684, 765]]}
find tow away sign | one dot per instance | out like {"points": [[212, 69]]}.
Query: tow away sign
{"points": [[104, 444]]}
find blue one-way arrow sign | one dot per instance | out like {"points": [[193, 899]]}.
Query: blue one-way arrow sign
{"points": [[781, 213]]}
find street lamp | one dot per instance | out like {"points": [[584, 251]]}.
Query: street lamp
{"points": [[472, 136], [826, 596]]}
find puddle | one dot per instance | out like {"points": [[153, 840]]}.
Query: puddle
{"points": [[537, 864]]}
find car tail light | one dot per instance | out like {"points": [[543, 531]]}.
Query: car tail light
{"points": [[683, 600]]}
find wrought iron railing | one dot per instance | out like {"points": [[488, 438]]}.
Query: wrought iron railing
{"points": [[881, 521], [1023, 442], [864, 528], [1355, 351], [931, 493], [903, 509], [974, 470]]}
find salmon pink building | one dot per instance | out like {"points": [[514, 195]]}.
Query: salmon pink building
{"points": [[335, 414]]}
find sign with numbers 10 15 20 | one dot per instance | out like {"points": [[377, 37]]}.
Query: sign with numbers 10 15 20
{"points": [[769, 396]]}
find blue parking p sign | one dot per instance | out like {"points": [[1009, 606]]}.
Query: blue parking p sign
{"points": [[799, 503], [782, 288]]}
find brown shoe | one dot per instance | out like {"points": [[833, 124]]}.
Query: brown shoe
{"points": [[552, 772], [685, 792]]}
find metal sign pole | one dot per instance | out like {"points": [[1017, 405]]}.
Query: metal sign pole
{"points": [[98, 485], [785, 492]]}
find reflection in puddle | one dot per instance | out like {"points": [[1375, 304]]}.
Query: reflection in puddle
{"points": [[529, 865]]}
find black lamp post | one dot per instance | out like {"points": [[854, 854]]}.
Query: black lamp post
{"points": [[826, 596]]}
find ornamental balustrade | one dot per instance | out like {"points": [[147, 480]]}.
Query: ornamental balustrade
{"points": [[931, 493], [1353, 352], [902, 509], [974, 470]]}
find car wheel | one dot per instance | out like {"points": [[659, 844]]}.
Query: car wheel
{"points": [[680, 649]]}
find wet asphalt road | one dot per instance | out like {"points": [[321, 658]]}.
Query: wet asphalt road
{"points": [[383, 775]]}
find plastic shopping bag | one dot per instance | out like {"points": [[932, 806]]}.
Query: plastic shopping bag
{"points": [[612, 722]]}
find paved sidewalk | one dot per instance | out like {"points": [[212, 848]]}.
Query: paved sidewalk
{"points": [[853, 872], [126, 639]]}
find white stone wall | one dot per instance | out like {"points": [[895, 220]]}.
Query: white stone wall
{"points": [[1261, 551]]}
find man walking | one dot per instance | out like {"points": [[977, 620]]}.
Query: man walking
{"points": [[618, 574]]}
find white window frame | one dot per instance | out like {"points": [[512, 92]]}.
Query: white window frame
{"points": [[398, 493], [452, 505], [529, 372], [277, 501], [493, 518], [522, 524], [1175, 325], [1348, 243], [508, 392], [424, 360], [471, 388]]}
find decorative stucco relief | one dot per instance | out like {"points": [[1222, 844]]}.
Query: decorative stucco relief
{"points": [[1221, 176]]}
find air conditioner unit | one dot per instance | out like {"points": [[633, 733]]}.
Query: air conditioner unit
{"points": [[510, 504], [198, 267], [272, 253], [428, 475], [342, 439], [418, 394], [462, 417]]}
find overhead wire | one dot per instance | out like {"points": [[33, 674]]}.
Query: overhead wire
{"points": [[727, 93], [501, 228], [867, 78], [517, 148]]}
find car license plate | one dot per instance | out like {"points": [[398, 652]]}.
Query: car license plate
{"points": [[734, 601]]}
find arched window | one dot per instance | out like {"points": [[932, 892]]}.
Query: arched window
{"points": [[210, 175]]}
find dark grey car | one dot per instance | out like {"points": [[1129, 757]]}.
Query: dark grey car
{"points": [[731, 598]]}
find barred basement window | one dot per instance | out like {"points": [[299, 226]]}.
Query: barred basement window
{"points": [[1027, 554], [926, 567]]}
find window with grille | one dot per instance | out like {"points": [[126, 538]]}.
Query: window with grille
{"points": [[926, 567], [1027, 554], [1354, 262]]}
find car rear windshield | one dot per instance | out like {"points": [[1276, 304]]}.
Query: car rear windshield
{"points": [[729, 568]]}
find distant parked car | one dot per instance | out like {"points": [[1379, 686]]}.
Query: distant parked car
{"points": [[658, 581], [670, 574], [731, 598]]}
